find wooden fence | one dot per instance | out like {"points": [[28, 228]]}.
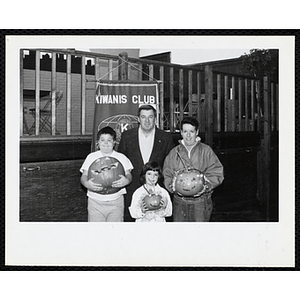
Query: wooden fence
{"points": [[221, 102]]}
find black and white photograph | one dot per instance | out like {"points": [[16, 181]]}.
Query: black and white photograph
{"points": [[187, 133]]}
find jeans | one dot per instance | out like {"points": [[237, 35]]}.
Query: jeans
{"points": [[188, 209], [106, 211]]}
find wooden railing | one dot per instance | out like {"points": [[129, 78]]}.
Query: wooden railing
{"points": [[221, 102]]}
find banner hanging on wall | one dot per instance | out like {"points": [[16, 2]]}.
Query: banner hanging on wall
{"points": [[117, 103]]}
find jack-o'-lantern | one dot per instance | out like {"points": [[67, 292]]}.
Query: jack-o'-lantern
{"points": [[106, 170], [152, 201], [188, 182]]}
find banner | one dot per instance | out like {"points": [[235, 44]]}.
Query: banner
{"points": [[117, 103]]}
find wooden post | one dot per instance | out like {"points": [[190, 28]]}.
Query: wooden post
{"points": [[181, 108], [140, 67], [97, 68], [151, 72], [233, 123], [199, 99], [277, 107], [129, 72], [230, 101], [110, 67], [219, 99], [161, 97], [123, 69], [83, 94], [190, 92], [246, 106], [241, 127], [257, 86], [37, 92], [226, 104], [53, 94], [266, 146], [22, 117], [272, 107], [69, 92], [252, 106], [172, 99], [209, 105]]}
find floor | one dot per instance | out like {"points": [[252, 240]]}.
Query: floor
{"points": [[245, 211]]}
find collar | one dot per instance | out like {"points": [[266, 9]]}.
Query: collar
{"points": [[198, 140], [140, 131], [104, 154]]}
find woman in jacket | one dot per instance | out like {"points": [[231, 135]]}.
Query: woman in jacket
{"points": [[191, 153]]}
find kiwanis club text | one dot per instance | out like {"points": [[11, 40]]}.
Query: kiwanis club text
{"points": [[122, 99]]}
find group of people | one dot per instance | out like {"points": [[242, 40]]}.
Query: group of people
{"points": [[151, 162]]}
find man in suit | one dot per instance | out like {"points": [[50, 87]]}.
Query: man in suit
{"points": [[142, 144]]}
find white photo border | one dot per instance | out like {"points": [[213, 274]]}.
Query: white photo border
{"points": [[135, 245]]}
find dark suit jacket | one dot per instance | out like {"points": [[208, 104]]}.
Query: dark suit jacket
{"points": [[129, 146]]}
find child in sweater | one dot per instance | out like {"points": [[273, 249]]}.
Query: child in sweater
{"points": [[143, 211]]}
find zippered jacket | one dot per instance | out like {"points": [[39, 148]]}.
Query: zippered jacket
{"points": [[200, 157]]}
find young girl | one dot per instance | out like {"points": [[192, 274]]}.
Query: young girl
{"points": [[151, 174]]}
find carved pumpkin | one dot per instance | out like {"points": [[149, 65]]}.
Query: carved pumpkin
{"points": [[106, 170], [152, 201], [188, 182]]}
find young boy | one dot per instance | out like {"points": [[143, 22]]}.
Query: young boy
{"points": [[106, 207]]}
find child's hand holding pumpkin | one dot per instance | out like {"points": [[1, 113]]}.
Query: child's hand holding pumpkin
{"points": [[91, 185], [120, 183]]}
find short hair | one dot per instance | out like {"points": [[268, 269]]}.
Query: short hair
{"points": [[150, 166], [189, 120], [106, 130], [146, 107]]}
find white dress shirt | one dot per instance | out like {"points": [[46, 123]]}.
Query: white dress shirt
{"points": [[146, 144]]}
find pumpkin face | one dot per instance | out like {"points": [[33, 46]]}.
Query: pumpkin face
{"points": [[152, 201], [188, 182], [106, 170]]}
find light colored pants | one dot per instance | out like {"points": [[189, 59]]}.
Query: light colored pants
{"points": [[106, 211]]}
